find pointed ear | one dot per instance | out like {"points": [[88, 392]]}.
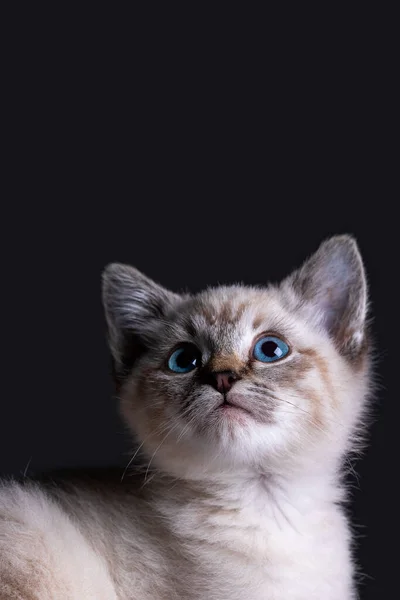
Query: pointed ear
{"points": [[331, 288], [133, 305]]}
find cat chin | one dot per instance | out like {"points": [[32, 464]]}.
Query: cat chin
{"points": [[241, 439], [233, 414]]}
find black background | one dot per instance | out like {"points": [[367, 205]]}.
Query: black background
{"points": [[195, 180]]}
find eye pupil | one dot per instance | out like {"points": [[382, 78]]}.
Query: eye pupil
{"points": [[270, 349], [186, 358]]}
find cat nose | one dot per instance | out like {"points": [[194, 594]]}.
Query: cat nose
{"points": [[223, 380]]}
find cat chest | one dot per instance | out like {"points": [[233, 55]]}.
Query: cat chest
{"points": [[273, 560]]}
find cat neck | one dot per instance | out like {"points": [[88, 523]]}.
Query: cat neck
{"points": [[240, 510], [242, 490]]}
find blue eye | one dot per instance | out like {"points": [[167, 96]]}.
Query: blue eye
{"points": [[269, 349], [184, 359]]}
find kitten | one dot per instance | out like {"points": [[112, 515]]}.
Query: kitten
{"points": [[245, 402]]}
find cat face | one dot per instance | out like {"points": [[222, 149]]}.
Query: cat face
{"points": [[239, 376]]}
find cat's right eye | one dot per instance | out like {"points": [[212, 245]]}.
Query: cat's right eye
{"points": [[184, 359]]}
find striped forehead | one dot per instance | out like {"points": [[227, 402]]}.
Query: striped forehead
{"points": [[226, 320]]}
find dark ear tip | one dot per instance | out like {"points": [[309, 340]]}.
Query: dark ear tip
{"points": [[343, 244], [109, 273], [112, 276], [344, 239], [116, 271], [114, 268]]}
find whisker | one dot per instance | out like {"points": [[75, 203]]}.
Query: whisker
{"points": [[281, 399], [184, 430], [155, 431], [27, 467], [157, 449]]}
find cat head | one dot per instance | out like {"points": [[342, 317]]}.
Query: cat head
{"points": [[242, 376]]}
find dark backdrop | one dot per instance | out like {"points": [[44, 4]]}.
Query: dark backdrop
{"points": [[197, 188]]}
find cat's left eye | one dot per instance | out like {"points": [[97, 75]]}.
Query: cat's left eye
{"points": [[270, 348], [184, 359]]}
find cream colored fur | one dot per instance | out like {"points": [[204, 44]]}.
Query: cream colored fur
{"points": [[237, 505]]}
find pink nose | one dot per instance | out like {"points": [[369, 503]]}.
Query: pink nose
{"points": [[224, 380]]}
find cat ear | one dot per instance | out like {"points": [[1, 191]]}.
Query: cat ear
{"points": [[133, 306], [331, 287]]}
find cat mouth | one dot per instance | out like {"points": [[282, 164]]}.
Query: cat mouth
{"points": [[229, 405]]}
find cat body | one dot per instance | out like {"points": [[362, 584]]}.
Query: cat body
{"points": [[76, 542], [245, 403]]}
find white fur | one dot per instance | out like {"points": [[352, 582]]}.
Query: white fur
{"points": [[234, 507], [43, 548]]}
